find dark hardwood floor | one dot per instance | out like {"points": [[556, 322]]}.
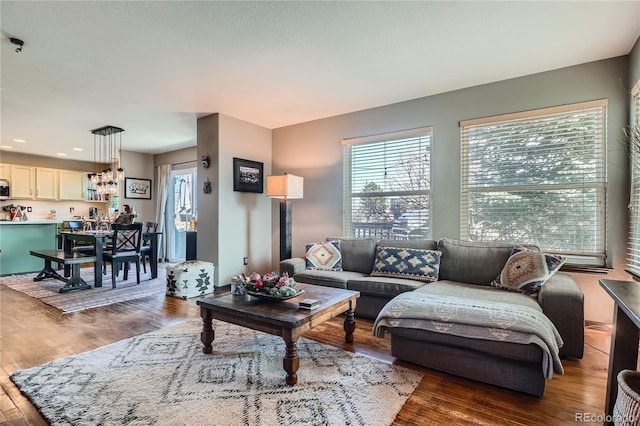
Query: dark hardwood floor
{"points": [[33, 333]]}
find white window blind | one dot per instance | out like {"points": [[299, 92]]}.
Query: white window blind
{"points": [[633, 256], [387, 185], [538, 177]]}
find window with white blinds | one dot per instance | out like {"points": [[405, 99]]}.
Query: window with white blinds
{"points": [[633, 135], [387, 185], [538, 177]]}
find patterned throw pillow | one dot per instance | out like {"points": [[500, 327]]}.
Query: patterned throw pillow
{"points": [[526, 271], [408, 263], [324, 256]]}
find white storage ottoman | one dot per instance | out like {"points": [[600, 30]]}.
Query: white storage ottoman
{"points": [[190, 279]]}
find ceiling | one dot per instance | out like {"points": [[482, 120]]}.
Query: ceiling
{"points": [[153, 67]]}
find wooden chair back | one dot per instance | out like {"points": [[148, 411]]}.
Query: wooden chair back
{"points": [[126, 238], [73, 225], [150, 226]]}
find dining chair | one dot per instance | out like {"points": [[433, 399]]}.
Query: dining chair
{"points": [[125, 248], [145, 248], [72, 225], [78, 246]]}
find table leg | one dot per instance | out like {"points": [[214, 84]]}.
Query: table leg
{"points": [[60, 245], [291, 362], [75, 282], [154, 256], [97, 273], [622, 355], [48, 272], [349, 326], [207, 335], [67, 247]]}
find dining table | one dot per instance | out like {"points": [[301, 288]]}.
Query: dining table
{"points": [[625, 337], [98, 238]]}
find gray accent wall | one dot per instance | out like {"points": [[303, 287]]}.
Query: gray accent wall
{"points": [[313, 150], [232, 225], [208, 210], [634, 65], [139, 165], [181, 158]]}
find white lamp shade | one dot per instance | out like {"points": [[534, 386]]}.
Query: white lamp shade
{"points": [[284, 187]]}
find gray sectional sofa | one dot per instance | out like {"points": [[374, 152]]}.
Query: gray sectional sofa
{"points": [[511, 359]]}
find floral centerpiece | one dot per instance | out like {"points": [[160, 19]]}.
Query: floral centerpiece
{"points": [[272, 284]]}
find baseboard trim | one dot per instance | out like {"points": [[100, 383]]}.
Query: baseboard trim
{"points": [[597, 325]]}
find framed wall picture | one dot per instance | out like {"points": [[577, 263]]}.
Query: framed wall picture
{"points": [[137, 188], [247, 175]]}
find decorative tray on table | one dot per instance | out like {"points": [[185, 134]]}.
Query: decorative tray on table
{"points": [[270, 286], [267, 296]]}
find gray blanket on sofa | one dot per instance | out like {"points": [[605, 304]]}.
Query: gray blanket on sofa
{"points": [[474, 319]]}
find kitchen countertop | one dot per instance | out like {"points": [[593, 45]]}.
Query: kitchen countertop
{"points": [[29, 222]]}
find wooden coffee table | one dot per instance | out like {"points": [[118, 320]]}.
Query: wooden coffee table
{"points": [[280, 318]]}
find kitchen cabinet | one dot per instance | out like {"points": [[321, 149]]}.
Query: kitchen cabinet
{"points": [[72, 185], [4, 171], [22, 182], [46, 184]]}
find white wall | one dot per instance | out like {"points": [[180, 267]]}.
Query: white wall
{"points": [[313, 150], [232, 225]]}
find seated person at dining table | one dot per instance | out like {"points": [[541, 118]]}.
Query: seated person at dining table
{"points": [[127, 216]]}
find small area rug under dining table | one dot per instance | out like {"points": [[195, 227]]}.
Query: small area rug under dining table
{"points": [[163, 378], [78, 300]]}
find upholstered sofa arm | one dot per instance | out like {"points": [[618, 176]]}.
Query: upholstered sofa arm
{"points": [[562, 302], [292, 266]]}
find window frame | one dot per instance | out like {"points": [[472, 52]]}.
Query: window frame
{"points": [[595, 257], [633, 245], [391, 137]]}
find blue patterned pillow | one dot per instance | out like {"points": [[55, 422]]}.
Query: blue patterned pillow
{"points": [[409, 263], [324, 256], [526, 271]]}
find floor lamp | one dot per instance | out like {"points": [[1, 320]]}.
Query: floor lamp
{"points": [[285, 187]]}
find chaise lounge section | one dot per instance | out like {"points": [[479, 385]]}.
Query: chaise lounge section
{"points": [[502, 353]]}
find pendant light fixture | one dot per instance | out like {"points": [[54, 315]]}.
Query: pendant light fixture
{"points": [[107, 144]]}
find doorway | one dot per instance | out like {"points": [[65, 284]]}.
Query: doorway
{"points": [[181, 213]]}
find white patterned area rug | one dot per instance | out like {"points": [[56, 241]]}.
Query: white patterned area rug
{"points": [[48, 290], [163, 378]]}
